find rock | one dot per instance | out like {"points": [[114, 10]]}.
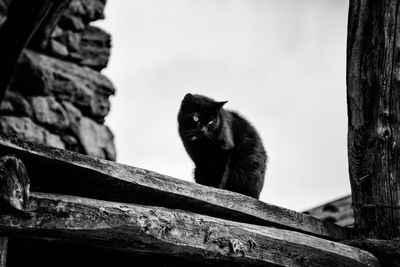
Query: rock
{"points": [[89, 90], [72, 40], [24, 128], [57, 31], [94, 48], [15, 104], [74, 116], [49, 113], [71, 23], [92, 138], [86, 10], [97, 140], [72, 144], [90, 47], [58, 48]]}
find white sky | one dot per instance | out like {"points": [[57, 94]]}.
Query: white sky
{"points": [[280, 63]]}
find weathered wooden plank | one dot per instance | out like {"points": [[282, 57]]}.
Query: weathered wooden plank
{"points": [[14, 184], [23, 20], [387, 251], [149, 229], [51, 253], [65, 172], [373, 97], [3, 251], [14, 193]]}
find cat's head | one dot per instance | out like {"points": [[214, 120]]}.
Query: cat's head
{"points": [[199, 117]]}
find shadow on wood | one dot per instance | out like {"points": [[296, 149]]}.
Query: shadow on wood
{"points": [[51, 253]]}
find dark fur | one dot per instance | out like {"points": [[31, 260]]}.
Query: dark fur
{"points": [[228, 153]]}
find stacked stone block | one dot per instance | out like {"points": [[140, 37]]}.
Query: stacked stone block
{"points": [[58, 95]]}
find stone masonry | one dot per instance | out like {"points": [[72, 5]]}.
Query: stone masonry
{"points": [[58, 96]]}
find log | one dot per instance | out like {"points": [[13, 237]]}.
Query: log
{"points": [[48, 252], [14, 193], [387, 251], [60, 171], [157, 230], [14, 184], [23, 20], [373, 97]]}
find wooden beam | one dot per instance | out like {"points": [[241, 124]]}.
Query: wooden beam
{"points": [[3, 250], [50, 253], [23, 20], [14, 184], [373, 96], [387, 251], [14, 193], [65, 172], [156, 230]]}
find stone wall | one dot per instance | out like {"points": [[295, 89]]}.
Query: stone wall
{"points": [[59, 96]]}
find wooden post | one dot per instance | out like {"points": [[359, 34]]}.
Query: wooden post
{"points": [[14, 193], [3, 250], [373, 95], [24, 18]]}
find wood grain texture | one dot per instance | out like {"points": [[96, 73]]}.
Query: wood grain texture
{"points": [[14, 184], [387, 251], [48, 252], [24, 18], [14, 193], [156, 230], [373, 96], [60, 171]]}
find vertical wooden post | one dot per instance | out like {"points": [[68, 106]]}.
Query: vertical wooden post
{"points": [[373, 95], [14, 193], [3, 251], [24, 18]]}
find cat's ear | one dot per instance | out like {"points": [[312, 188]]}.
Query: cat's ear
{"points": [[219, 105], [188, 98]]}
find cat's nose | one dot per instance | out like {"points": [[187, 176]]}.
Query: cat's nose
{"points": [[203, 129]]}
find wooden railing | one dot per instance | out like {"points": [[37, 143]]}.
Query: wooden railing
{"points": [[98, 203]]}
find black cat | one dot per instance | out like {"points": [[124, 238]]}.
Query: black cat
{"points": [[226, 149]]}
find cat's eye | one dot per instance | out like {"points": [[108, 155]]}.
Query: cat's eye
{"points": [[210, 122], [195, 118]]}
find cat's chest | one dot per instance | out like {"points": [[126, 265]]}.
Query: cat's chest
{"points": [[207, 151]]}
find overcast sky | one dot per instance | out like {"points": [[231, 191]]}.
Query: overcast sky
{"points": [[280, 63]]}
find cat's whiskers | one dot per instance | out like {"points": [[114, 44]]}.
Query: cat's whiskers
{"points": [[210, 136]]}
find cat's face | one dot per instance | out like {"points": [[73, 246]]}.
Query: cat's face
{"points": [[199, 117]]}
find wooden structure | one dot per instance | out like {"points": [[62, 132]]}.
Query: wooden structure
{"points": [[54, 196], [110, 205], [373, 91], [33, 21]]}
